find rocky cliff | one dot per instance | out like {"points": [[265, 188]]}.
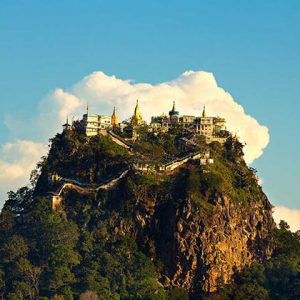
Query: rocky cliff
{"points": [[199, 248], [191, 228], [201, 223]]}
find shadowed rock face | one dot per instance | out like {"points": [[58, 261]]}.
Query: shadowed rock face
{"points": [[201, 251]]}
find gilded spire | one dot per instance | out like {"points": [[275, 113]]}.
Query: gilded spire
{"points": [[137, 117], [204, 112], [137, 112], [114, 118]]}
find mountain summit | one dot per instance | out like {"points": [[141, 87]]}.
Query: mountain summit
{"points": [[163, 215]]}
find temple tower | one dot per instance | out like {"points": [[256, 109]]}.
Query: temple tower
{"points": [[204, 112], [67, 126], [114, 118], [173, 112], [137, 119]]}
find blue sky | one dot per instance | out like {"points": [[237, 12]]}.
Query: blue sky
{"points": [[251, 47]]}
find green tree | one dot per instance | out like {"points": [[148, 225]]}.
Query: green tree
{"points": [[178, 294], [250, 291], [57, 245], [29, 276], [13, 253]]}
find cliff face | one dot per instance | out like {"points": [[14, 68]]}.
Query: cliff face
{"points": [[199, 252], [197, 224], [208, 252]]}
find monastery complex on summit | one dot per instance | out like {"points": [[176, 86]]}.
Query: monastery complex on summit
{"points": [[213, 128], [125, 132]]}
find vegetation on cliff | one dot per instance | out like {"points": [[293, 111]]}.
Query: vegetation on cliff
{"points": [[277, 278], [127, 243]]}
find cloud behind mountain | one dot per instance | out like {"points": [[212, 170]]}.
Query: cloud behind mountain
{"points": [[191, 91], [289, 215]]}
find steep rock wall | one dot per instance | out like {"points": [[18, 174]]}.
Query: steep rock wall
{"points": [[201, 251]]}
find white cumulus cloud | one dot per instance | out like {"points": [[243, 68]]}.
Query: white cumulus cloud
{"points": [[191, 91], [291, 216], [17, 161]]}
